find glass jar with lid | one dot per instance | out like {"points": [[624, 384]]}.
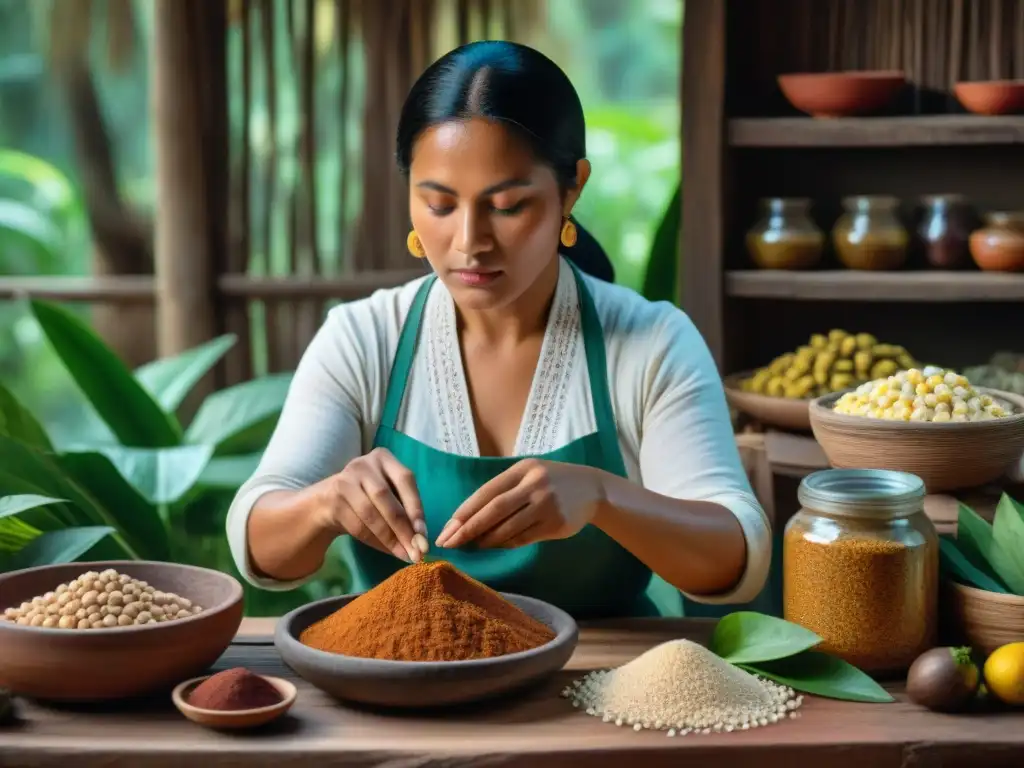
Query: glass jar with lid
{"points": [[869, 234], [785, 236], [861, 567]]}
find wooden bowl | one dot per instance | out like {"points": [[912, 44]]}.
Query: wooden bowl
{"points": [[423, 684], [780, 412], [991, 97], [946, 456], [841, 94], [983, 620], [121, 662], [238, 719]]}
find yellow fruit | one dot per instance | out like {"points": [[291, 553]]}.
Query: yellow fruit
{"points": [[1004, 674]]}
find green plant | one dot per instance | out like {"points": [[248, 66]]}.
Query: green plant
{"points": [[160, 489], [661, 282], [783, 651], [985, 555]]}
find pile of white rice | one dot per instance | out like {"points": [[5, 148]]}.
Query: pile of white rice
{"points": [[682, 687]]}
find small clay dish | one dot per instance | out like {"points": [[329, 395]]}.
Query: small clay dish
{"points": [[991, 97], [780, 412], [238, 719], [841, 94]]}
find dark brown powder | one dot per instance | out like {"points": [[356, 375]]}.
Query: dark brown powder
{"points": [[233, 690]]}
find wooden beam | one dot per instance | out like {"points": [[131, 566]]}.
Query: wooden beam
{"points": [[703, 101], [184, 250]]}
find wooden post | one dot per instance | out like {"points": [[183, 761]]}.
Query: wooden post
{"points": [[185, 252]]}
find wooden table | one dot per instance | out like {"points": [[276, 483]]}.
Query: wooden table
{"points": [[539, 729]]}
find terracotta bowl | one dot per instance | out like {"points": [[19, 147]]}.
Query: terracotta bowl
{"points": [[423, 684], [780, 412], [992, 97], [946, 456], [983, 620], [841, 94], [239, 719], [122, 662]]}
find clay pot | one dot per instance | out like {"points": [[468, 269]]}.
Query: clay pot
{"points": [[992, 97], [838, 94], [999, 245]]}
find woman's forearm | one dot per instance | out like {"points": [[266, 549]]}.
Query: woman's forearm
{"points": [[287, 535], [697, 546]]}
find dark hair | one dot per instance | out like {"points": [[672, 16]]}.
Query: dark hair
{"points": [[523, 89]]}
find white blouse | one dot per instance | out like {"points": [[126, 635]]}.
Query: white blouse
{"points": [[670, 410]]}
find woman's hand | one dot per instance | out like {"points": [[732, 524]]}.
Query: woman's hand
{"points": [[374, 499], [535, 500]]}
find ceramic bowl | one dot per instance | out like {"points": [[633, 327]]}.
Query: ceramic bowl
{"points": [[841, 94], [412, 684], [239, 719], [946, 456], [781, 412], [121, 662], [984, 620], [992, 97]]}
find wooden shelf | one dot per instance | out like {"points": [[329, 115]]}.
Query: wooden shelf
{"points": [[848, 285], [938, 130]]}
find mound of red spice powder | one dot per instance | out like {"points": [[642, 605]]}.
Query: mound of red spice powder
{"points": [[427, 612], [233, 690]]}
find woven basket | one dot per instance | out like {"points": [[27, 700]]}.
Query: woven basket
{"points": [[947, 456], [981, 619], [780, 412]]}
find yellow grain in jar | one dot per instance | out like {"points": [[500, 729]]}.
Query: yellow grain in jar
{"points": [[861, 567]]}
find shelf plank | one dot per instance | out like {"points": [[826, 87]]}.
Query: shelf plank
{"points": [[850, 285], [943, 130]]}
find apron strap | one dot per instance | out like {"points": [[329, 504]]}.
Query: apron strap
{"points": [[597, 369], [404, 355]]}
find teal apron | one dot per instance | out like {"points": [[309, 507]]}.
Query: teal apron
{"points": [[589, 575]]}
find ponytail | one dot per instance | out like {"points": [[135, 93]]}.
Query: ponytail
{"points": [[589, 256]]}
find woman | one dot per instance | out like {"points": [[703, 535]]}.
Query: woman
{"points": [[549, 433]]}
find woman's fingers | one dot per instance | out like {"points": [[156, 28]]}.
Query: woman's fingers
{"points": [[399, 527], [532, 534], [404, 483], [355, 526], [503, 506], [509, 529]]}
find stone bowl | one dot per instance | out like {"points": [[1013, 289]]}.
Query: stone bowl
{"points": [[71, 665], [423, 684]]}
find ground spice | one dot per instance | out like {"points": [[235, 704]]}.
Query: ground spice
{"points": [[233, 690], [427, 612], [681, 687], [872, 601]]}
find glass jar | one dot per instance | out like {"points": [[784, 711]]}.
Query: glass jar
{"points": [[869, 234], [785, 237], [999, 245], [861, 567], [944, 231]]}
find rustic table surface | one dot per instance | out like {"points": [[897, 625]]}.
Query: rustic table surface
{"points": [[536, 729]]}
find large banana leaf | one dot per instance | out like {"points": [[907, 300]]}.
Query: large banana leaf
{"points": [[138, 521], [17, 422], [128, 409], [50, 188], [240, 419], [53, 547], [32, 227], [159, 475], [662, 280], [227, 473], [170, 379], [16, 532], [29, 465], [46, 518], [13, 505]]}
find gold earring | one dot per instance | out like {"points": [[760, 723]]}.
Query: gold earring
{"points": [[568, 236], [415, 245]]}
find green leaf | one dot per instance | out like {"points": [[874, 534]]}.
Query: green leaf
{"points": [[229, 472], [746, 637], [1007, 554], [822, 675], [16, 421], [56, 547], [963, 570], [31, 225], [171, 379], [48, 518], [49, 185], [160, 475], [127, 408], [661, 281], [14, 505], [974, 538], [15, 534], [125, 509], [240, 419]]}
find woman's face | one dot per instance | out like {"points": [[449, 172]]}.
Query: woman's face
{"points": [[488, 214]]}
